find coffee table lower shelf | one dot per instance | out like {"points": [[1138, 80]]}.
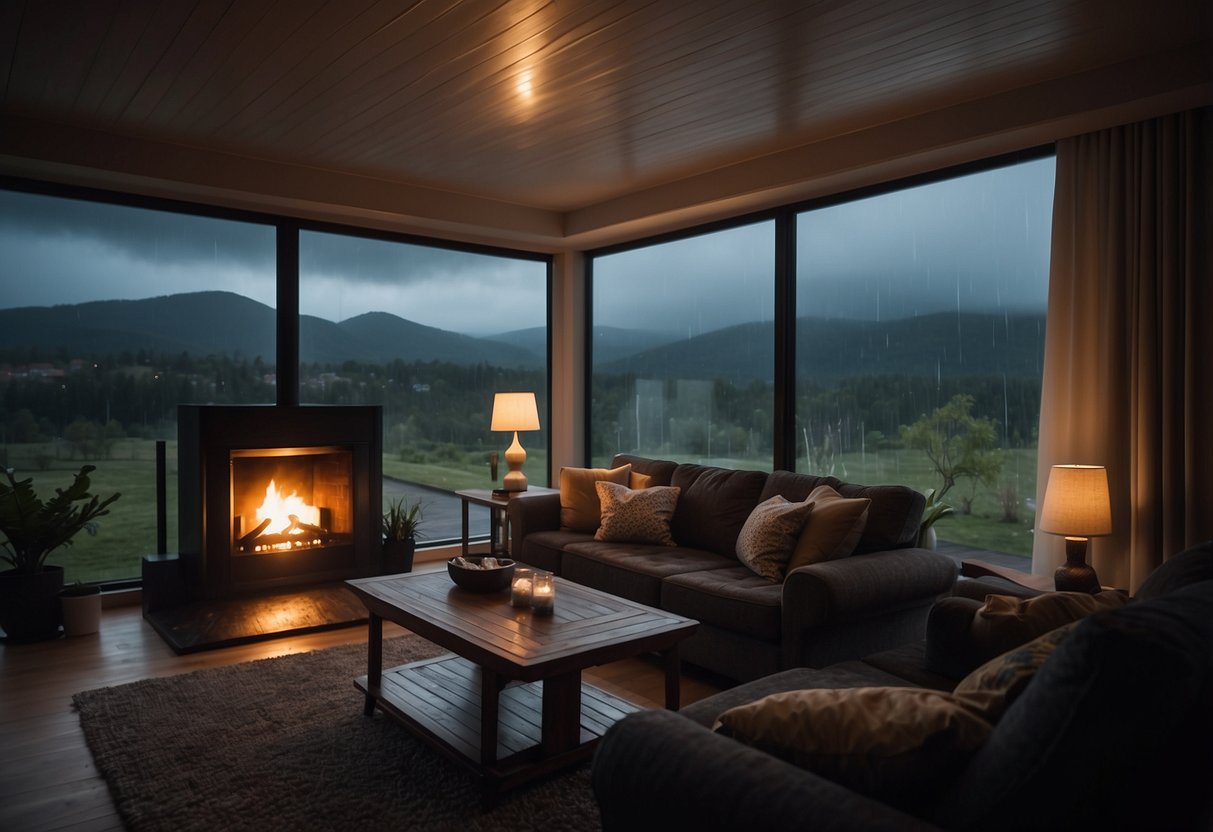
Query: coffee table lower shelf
{"points": [[439, 700]]}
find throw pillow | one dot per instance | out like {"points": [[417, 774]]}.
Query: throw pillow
{"points": [[1006, 621], [990, 689], [637, 481], [579, 508], [636, 516], [833, 528], [894, 744], [769, 535]]}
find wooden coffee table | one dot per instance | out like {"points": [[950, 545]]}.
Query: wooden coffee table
{"points": [[514, 676]]}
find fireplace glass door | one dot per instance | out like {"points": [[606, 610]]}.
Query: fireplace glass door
{"points": [[290, 499]]}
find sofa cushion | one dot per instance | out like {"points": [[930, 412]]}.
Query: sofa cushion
{"points": [[1190, 566], [1119, 714], [832, 530], [734, 598], [893, 517], [634, 570], [1004, 621], [580, 508], [991, 688], [769, 535], [659, 471], [543, 549], [896, 744], [635, 516], [713, 506]]}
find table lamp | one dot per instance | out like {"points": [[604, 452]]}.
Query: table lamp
{"points": [[514, 411], [1077, 506]]}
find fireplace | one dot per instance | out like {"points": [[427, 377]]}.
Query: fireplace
{"points": [[272, 497]]}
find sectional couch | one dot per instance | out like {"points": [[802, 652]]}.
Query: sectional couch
{"points": [[751, 626], [1112, 728]]}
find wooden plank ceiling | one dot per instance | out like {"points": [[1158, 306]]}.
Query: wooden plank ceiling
{"points": [[551, 104]]}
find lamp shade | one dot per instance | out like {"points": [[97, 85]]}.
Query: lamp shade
{"points": [[515, 411], [1076, 502]]}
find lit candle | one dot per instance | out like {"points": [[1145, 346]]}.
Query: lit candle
{"points": [[543, 593], [520, 588]]}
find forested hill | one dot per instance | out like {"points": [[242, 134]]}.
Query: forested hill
{"points": [[223, 323], [943, 344]]}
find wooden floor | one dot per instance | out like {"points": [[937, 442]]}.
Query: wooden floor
{"points": [[47, 777]]}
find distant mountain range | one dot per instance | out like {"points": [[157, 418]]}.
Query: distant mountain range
{"points": [[202, 323], [945, 344]]}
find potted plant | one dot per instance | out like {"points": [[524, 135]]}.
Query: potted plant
{"points": [[400, 527], [81, 604], [934, 510], [29, 590]]}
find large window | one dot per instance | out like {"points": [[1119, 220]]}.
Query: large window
{"points": [[682, 349], [110, 316], [430, 334], [920, 341], [917, 338], [114, 312]]}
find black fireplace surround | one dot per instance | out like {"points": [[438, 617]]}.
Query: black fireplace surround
{"points": [[331, 452]]}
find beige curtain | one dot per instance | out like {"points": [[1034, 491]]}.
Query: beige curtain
{"points": [[1128, 375]]}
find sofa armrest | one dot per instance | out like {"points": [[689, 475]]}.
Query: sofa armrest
{"points": [[837, 592], [658, 770], [530, 513], [951, 650]]}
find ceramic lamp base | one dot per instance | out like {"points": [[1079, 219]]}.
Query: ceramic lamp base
{"points": [[1075, 575]]}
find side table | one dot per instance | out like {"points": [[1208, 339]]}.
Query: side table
{"points": [[499, 523]]}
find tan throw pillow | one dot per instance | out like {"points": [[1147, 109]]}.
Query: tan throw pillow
{"points": [[833, 528], [894, 744], [579, 508], [769, 535], [637, 481], [990, 689], [636, 516], [1006, 621]]}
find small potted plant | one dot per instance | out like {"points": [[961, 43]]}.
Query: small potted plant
{"points": [[33, 528], [401, 523], [934, 510], [81, 605]]}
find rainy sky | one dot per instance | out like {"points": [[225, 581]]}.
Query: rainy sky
{"points": [[978, 243]]}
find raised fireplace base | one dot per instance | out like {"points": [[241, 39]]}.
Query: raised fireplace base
{"points": [[210, 624]]}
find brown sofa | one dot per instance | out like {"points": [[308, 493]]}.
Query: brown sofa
{"points": [[750, 626]]}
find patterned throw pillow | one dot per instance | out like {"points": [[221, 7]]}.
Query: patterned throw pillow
{"points": [[833, 529], [895, 744], [636, 516], [579, 508], [991, 688], [769, 535], [1004, 622]]}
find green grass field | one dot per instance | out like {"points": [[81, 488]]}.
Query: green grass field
{"points": [[129, 531]]}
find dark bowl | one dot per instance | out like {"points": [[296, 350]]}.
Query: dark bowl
{"points": [[481, 580]]}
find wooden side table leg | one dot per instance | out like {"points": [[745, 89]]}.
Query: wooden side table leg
{"points": [[374, 662], [463, 505], [673, 678]]}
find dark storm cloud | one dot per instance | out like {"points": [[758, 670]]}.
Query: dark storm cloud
{"points": [[976, 243]]}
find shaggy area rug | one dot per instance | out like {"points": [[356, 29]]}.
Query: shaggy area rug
{"points": [[282, 744]]}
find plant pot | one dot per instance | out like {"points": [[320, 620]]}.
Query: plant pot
{"points": [[29, 604], [398, 555], [81, 611], [927, 539]]}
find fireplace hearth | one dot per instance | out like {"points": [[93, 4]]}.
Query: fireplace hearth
{"points": [[273, 502]]}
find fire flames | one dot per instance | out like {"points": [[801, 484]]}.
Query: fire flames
{"points": [[288, 521]]}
